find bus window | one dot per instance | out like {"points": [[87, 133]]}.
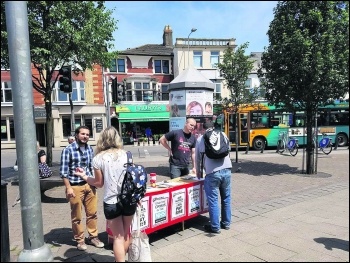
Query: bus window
{"points": [[339, 117], [259, 119]]}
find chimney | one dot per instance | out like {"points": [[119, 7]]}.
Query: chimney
{"points": [[168, 36]]}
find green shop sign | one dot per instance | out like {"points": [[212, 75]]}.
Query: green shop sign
{"points": [[141, 108]]}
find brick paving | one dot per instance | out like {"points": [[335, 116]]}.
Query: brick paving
{"points": [[265, 185]]}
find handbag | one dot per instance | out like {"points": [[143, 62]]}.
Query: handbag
{"points": [[44, 170], [139, 249]]}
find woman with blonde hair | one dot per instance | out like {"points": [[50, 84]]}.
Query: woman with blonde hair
{"points": [[108, 166]]}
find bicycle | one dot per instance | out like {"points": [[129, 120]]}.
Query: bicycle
{"points": [[325, 144], [284, 142]]}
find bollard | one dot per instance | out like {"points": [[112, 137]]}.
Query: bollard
{"points": [[263, 147], [5, 240], [247, 149], [336, 143]]}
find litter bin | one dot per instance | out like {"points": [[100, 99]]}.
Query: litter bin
{"points": [[5, 240]]}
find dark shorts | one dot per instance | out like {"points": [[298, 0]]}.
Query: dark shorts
{"points": [[115, 210]]}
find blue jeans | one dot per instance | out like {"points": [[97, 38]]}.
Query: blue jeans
{"points": [[215, 183], [177, 171]]}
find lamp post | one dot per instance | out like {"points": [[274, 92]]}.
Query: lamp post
{"points": [[188, 45], [107, 99]]}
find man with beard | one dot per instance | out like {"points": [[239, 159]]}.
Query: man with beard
{"points": [[78, 155]]}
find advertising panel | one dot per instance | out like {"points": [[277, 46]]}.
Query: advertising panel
{"points": [[199, 103]]}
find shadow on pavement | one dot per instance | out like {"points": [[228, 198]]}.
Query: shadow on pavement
{"points": [[330, 243], [49, 199]]}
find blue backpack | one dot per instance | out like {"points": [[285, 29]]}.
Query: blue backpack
{"points": [[134, 183]]}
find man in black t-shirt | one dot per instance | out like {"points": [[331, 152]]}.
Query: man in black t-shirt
{"points": [[183, 144]]}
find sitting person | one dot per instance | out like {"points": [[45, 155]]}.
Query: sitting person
{"points": [[44, 169]]}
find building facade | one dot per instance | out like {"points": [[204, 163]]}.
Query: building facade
{"points": [[132, 95], [88, 109], [140, 97]]}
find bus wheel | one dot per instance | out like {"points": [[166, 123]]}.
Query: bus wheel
{"points": [[342, 139], [258, 143]]}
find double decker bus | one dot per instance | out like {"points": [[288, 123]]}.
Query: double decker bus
{"points": [[260, 124]]}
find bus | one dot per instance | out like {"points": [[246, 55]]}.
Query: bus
{"points": [[260, 124]]}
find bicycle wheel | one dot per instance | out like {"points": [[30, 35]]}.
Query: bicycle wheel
{"points": [[293, 150], [327, 149], [281, 146]]}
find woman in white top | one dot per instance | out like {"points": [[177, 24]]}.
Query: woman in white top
{"points": [[108, 166]]}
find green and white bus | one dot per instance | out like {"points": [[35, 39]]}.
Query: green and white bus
{"points": [[260, 124]]}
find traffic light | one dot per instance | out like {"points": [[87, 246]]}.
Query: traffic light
{"points": [[117, 91], [66, 79]]}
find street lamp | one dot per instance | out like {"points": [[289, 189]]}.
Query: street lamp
{"points": [[188, 45]]}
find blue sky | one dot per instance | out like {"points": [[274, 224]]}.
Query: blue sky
{"points": [[142, 22]]}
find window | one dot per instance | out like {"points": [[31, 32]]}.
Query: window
{"points": [[118, 65], [217, 90], [7, 129], [164, 95], [6, 92], [280, 118], [143, 91], [85, 120], [248, 83], [259, 119], [214, 58], [197, 59], [161, 66], [78, 92]]}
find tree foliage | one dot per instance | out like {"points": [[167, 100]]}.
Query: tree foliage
{"points": [[235, 68], [77, 33], [307, 61]]}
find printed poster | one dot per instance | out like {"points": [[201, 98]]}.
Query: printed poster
{"points": [[199, 103], [194, 199], [176, 123], [159, 209], [177, 103], [144, 216], [178, 203]]}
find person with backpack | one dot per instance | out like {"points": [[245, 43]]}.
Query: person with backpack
{"points": [[109, 169], [183, 143], [212, 155]]}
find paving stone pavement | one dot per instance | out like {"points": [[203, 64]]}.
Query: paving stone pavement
{"points": [[279, 214]]}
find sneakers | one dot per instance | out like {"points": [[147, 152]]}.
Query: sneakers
{"points": [[224, 227], [208, 229], [81, 246], [95, 242]]}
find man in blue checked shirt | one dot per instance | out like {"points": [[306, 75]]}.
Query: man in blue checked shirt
{"points": [[78, 155]]}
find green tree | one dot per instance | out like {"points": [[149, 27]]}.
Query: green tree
{"points": [[235, 68], [77, 33], [307, 61]]}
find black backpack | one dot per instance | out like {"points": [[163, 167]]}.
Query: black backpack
{"points": [[134, 184], [217, 145]]}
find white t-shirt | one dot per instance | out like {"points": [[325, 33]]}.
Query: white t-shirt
{"points": [[111, 163]]}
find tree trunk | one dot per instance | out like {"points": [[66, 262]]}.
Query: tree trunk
{"points": [[49, 126], [310, 151], [236, 136]]}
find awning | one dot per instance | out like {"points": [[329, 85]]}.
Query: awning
{"points": [[143, 116]]}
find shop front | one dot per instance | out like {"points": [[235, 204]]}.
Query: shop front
{"points": [[134, 119]]}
